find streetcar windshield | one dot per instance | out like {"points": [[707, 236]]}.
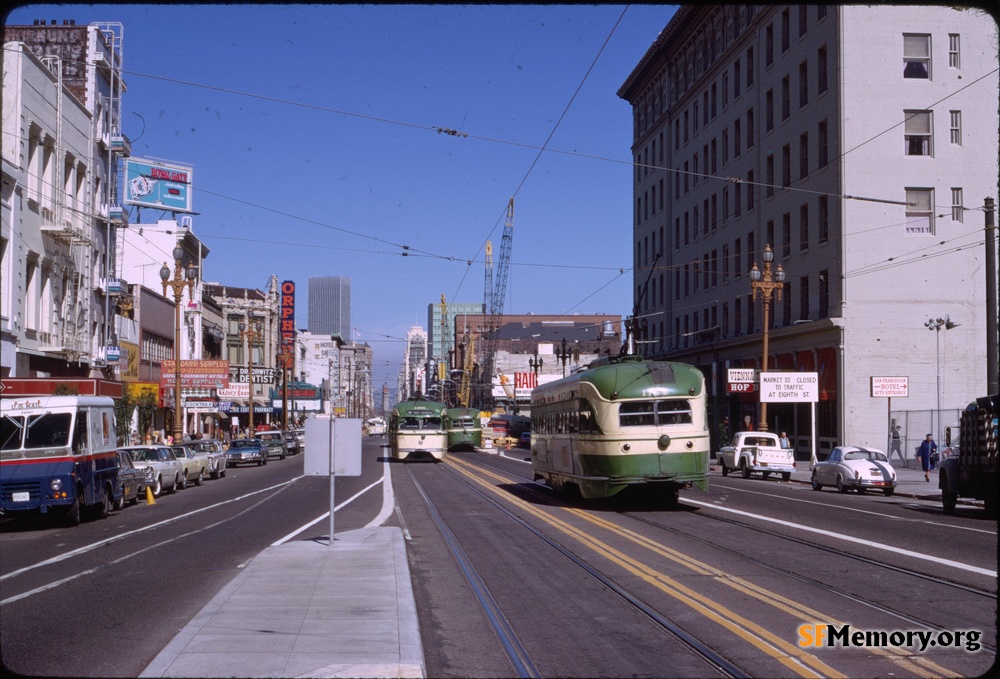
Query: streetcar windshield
{"points": [[654, 413], [420, 423]]}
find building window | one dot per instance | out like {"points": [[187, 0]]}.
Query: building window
{"points": [[920, 211], [714, 99], [704, 108], [686, 126], [750, 314], [769, 234], [786, 30], [820, 12], [954, 58], [769, 110], [917, 132], [824, 293], [737, 313], [956, 205], [725, 89], [786, 235], [739, 200], [725, 147], [725, 319], [823, 142], [803, 19], [750, 128], [661, 194], [694, 170], [750, 68], [786, 169], [804, 227], [956, 127], [769, 168], [736, 139], [751, 190], [769, 45], [803, 84], [824, 219], [715, 268], [725, 203], [786, 98], [725, 263], [804, 298], [737, 257], [803, 155], [694, 117], [687, 177], [677, 134], [715, 212], [787, 293], [750, 251], [821, 69], [687, 228], [736, 79], [917, 56]]}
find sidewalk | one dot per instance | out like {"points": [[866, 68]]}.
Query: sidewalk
{"points": [[305, 609]]}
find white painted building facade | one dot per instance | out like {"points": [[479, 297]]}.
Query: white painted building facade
{"points": [[860, 143]]}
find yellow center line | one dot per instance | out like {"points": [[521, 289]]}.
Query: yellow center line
{"points": [[798, 610], [794, 658]]}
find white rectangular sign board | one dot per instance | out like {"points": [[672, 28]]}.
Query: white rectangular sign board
{"points": [[344, 435], [887, 387], [789, 387]]}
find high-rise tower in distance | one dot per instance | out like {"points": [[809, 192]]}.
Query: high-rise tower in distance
{"points": [[330, 306]]}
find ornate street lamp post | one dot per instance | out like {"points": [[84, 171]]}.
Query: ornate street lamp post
{"points": [[251, 332], [536, 363], [563, 355], [768, 284], [177, 284]]}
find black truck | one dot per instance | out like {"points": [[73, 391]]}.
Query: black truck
{"points": [[973, 471]]}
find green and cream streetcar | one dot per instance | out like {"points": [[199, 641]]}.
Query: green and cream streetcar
{"points": [[416, 427], [624, 422], [464, 428]]}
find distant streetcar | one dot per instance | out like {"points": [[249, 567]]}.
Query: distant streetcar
{"points": [[624, 422], [416, 427], [509, 427], [464, 428]]}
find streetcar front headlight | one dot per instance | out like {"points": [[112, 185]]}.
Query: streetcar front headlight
{"points": [[55, 484], [663, 442]]}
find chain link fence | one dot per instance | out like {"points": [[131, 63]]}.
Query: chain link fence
{"points": [[914, 425]]}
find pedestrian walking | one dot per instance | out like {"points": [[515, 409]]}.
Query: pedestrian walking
{"points": [[896, 444], [924, 452]]}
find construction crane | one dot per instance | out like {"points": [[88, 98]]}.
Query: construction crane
{"points": [[467, 368], [493, 300]]}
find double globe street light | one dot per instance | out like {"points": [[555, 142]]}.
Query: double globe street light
{"points": [[767, 283], [251, 332], [177, 284], [937, 324]]}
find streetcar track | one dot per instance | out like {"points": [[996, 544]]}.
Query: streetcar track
{"points": [[512, 646], [763, 595]]}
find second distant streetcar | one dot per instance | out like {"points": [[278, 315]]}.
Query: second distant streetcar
{"points": [[464, 429]]}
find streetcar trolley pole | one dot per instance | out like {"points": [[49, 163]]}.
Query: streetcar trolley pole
{"points": [[332, 448]]}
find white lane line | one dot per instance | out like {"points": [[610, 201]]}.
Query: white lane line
{"points": [[101, 543], [852, 509], [847, 538], [326, 515], [388, 498]]}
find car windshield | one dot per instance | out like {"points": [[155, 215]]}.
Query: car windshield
{"points": [[144, 455], [244, 443]]}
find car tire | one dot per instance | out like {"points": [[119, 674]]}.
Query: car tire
{"points": [[120, 504], [265, 460], [816, 485], [261, 463], [141, 490], [222, 474], [201, 477], [888, 491], [158, 486], [183, 483], [173, 486], [841, 488], [744, 469], [861, 490], [786, 476], [282, 457], [725, 469], [949, 499], [75, 513], [766, 475], [103, 508]]}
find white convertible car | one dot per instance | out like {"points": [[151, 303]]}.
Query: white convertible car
{"points": [[853, 467]]}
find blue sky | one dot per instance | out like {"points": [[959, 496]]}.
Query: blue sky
{"points": [[312, 131]]}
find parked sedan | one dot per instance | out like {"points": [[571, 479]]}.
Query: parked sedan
{"points": [[216, 456], [855, 467], [163, 469], [246, 451], [274, 441], [131, 479], [194, 461]]}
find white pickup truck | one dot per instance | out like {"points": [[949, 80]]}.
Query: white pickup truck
{"points": [[757, 451]]}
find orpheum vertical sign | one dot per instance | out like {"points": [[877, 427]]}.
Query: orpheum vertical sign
{"points": [[286, 352]]}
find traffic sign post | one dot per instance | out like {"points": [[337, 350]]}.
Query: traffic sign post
{"points": [[793, 388]]}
